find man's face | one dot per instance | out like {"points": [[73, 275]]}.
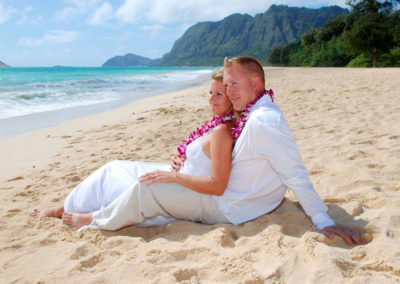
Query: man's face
{"points": [[239, 87]]}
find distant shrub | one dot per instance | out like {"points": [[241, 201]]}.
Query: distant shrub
{"points": [[361, 61]]}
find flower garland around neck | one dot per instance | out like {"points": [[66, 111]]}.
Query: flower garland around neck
{"points": [[241, 122], [206, 127]]}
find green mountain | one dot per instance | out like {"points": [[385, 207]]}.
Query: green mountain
{"points": [[207, 43], [129, 60], [3, 64]]}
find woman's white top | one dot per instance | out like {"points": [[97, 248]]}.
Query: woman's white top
{"points": [[197, 163]]}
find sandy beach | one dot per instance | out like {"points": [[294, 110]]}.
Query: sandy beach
{"points": [[346, 123]]}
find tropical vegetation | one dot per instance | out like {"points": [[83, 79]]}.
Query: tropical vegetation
{"points": [[367, 36]]}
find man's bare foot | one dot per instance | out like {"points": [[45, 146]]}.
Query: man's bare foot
{"points": [[56, 212], [77, 220]]}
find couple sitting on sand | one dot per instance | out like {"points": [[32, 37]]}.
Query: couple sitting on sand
{"points": [[228, 171]]}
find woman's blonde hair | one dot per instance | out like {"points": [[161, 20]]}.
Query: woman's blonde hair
{"points": [[218, 74]]}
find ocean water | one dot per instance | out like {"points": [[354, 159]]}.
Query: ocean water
{"points": [[27, 91], [36, 98]]}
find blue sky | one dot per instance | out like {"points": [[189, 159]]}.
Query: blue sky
{"points": [[88, 32]]}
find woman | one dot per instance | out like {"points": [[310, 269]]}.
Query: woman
{"points": [[206, 169]]}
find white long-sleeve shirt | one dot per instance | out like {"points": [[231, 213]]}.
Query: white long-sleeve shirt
{"points": [[265, 162]]}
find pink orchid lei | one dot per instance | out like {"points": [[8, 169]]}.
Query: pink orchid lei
{"points": [[241, 122], [206, 127]]}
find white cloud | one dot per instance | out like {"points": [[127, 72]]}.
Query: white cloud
{"points": [[149, 12], [101, 15], [54, 37], [132, 11], [178, 11], [75, 8], [66, 14], [25, 16], [5, 13]]}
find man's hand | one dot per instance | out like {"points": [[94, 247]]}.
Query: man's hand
{"points": [[177, 162], [351, 236], [158, 176]]}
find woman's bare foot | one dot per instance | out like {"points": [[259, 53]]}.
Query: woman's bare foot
{"points": [[77, 220], [56, 212]]}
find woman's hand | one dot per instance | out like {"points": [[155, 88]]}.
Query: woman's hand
{"points": [[351, 236], [158, 176], [177, 162]]}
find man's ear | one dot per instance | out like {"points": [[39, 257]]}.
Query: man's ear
{"points": [[257, 83]]}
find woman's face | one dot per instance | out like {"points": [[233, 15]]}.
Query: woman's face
{"points": [[219, 101]]}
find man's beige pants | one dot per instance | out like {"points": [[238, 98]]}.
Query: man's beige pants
{"points": [[143, 202]]}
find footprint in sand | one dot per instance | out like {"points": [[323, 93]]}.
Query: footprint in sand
{"points": [[357, 253], [91, 261], [185, 274], [16, 178], [346, 267], [3, 225], [54, 164], [47, 242], [393, 234], [375, 166], [380, 266], [25, 193], [364, 142], [77, 140], [79, 252], [359, 154], [12, 212], [315, 172], [395, 221], [74, 178], [13, 247]]}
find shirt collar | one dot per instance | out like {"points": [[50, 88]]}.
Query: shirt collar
{"points": [[261, 102]]}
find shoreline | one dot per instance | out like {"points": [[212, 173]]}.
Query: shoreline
{"points": [[18, 125], [40, 149]]}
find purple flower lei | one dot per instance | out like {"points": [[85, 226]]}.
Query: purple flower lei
{"points": [[206, 127], [241, 122]]}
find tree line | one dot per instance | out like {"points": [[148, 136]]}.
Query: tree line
{"points": [[367, 36]]}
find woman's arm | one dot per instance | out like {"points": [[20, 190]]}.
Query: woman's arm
{"points": [[221, 157]]}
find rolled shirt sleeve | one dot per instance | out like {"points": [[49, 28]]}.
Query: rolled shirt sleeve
{"points": [[274, 140]]}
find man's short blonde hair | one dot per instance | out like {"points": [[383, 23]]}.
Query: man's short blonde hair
{"points": [[218, 74], [249, 64]]}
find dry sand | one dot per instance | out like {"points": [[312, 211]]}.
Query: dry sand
{"points": [[347, 124]]}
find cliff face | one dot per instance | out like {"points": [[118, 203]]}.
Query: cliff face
{"points": [[3, 64], [208, 43]]}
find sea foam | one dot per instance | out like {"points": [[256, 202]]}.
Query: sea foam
{"points": [[25, 91]]}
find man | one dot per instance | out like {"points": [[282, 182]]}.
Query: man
{"points": [[266, 160]]}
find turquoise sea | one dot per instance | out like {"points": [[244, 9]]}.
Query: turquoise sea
{"points": [[41, 97], [25, 91]]}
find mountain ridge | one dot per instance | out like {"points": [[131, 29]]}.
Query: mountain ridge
{"points": [[208, 43], [130, 60], [2, 64]]}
